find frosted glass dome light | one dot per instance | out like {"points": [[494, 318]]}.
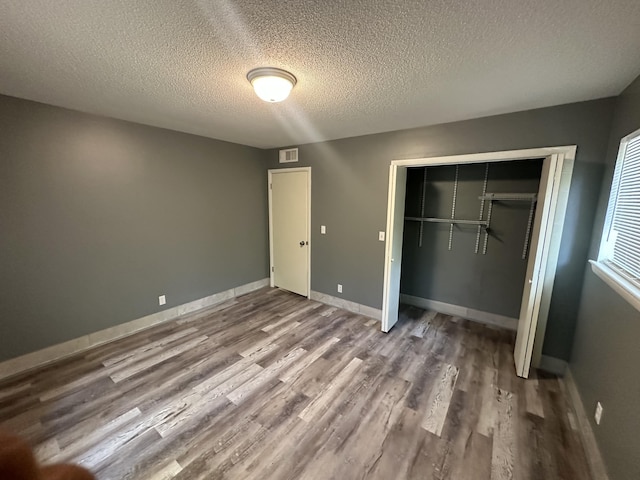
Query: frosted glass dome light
{"points": [[271, 84]]}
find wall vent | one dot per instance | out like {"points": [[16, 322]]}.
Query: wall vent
{"points": [[289, 155]]}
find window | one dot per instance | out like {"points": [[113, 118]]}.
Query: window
{"points": [[619, 257]]}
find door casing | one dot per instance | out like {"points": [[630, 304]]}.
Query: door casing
{"points": [[270, 174]]}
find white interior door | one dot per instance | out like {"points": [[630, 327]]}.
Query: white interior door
{"points": [[289, 218], [536, 267], [395, 228]]}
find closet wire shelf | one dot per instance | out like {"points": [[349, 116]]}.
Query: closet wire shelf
{"points": [[509, 197], [491, 197], [447, 220]]}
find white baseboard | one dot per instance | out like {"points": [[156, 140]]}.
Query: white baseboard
{"points": [[594, 457], [38, 358], [354, 307], [463, 312], [553, 365]]}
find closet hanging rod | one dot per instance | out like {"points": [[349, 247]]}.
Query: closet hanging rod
{"points": [[529, 197], [447, 220]]}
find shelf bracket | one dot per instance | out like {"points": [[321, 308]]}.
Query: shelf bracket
{"points": [[453, 205], [484, 191], [532, 211], [422, 201]]}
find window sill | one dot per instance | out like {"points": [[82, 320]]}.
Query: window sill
{"points": [[619, 284]]}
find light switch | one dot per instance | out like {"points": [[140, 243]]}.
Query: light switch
{"points": [[323, 229], [381, 236]]}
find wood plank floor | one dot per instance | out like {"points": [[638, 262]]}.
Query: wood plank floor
{"points": [[274, 386]]}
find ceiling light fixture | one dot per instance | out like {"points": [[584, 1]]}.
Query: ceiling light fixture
{"points": [[271, 84]]}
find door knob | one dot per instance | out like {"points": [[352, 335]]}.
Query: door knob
{"points": [[302, 243]]}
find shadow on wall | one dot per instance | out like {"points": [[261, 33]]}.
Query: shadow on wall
{"points": [[581, 210]]}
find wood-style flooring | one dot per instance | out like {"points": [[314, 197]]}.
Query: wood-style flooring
{"points": [[274, 386]]}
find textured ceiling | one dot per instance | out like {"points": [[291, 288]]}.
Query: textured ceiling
{"points": [[362, 66]]}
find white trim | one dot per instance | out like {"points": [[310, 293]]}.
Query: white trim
{"points": [[627, 289], [53, 353], [569, 152], [488, 318], [565, 155], [596, 463], [622, 286], [354, 307], [270, 173], [622, 148], [553, 365]]}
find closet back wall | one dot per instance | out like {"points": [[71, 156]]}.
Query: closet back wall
{"points": [[99, 217], [490, 282]]}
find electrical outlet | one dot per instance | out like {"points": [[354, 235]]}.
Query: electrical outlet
{"points": [[598, 414], [339, 288], [323, 229], [162, 299], [381, 236]]}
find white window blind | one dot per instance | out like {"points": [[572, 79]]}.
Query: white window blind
{"points": [[620, 247]]}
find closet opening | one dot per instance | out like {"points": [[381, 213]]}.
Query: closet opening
{"points": [[477, 237], [466, 239]]}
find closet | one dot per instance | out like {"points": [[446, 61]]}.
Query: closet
{"points": [[467, 234]]}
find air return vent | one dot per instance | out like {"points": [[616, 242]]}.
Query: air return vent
{"points": [[289, 155]]}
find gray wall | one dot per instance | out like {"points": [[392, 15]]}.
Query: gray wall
{"points": [[492, 282], [606, 352], [98, 217], [350, 183]]}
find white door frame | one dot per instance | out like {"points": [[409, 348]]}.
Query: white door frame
{"points": [[551, 243], [270, 174]]}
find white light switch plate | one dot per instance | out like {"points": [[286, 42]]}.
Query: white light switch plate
{"points": [[381, 236], [339, 288], [162, 299], [323, 229]]}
